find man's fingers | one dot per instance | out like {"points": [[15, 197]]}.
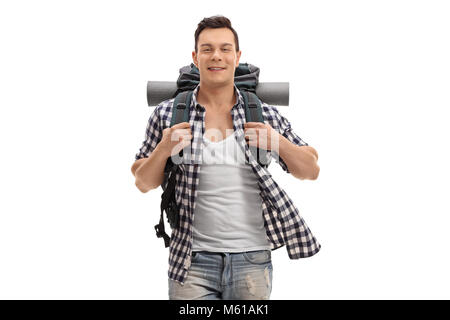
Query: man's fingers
{"points": [[177, 133], [182, 128], [181, 125], [182, 131], [178, 136], [253, 124]]}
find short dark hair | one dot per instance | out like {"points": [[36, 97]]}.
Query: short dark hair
{"points": [[215, 22]]}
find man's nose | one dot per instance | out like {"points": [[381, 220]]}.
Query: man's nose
{"points": [[216, 55]]}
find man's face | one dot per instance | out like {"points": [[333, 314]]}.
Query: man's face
{"points": [[216, 48]]}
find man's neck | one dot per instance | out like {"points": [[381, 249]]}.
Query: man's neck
{"points": [[218, 98]]}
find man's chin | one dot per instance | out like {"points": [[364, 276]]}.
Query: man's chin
{"points": [[216, 82]]}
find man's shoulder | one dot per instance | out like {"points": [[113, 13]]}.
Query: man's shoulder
{"points": [[165, 107], [163, 113], [267, 107], [270, 112]]}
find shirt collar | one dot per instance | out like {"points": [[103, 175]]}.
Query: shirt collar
{"points": [[239, 98]]}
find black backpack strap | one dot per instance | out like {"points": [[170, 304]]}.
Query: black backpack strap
{"points": [[161, 232], [180, 113], [169, 205], [180, 110], [253, 113]]}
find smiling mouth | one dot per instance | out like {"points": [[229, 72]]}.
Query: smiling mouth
{"points": [[216, 69]]}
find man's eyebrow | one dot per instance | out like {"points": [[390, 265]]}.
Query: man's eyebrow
{"points": [[210, 45]]}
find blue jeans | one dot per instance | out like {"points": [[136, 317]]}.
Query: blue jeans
{"points": [[226, 276]]}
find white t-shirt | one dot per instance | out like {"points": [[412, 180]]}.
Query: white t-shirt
{"points": [[228, 212]]}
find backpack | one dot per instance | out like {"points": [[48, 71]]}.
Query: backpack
{"points": [[246, 79]]}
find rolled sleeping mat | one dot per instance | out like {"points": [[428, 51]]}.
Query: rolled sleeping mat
{"points": [[272, 93]]}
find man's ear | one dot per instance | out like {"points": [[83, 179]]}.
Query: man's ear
{"points": [[194, 58], [238, 57]]}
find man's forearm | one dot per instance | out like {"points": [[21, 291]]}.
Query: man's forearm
{"points": [[302, 163], [150, 173]]}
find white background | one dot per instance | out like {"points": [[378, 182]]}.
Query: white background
{"points": [[369, 90]]}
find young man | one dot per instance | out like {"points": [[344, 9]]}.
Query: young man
{"points": [[241, 213]]}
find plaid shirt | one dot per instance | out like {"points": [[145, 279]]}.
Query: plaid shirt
{"points": [[283, 224]]}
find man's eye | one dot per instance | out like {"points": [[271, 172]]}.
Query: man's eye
{"points": [[226, 49]]}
